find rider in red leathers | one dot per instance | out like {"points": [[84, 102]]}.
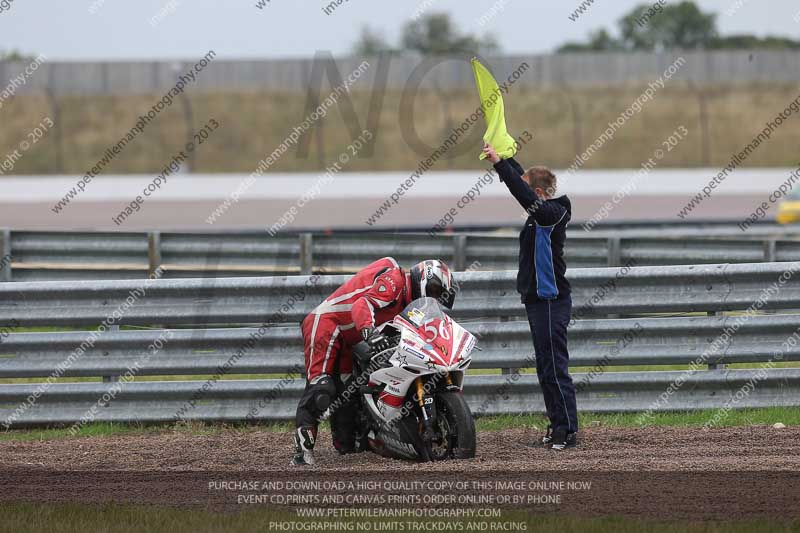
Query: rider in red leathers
{"points": [[373, 296]]}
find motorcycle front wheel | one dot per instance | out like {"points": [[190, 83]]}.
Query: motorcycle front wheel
{"points": [[454, 427]]}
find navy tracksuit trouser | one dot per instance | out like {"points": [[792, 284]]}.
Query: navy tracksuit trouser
{"points": [[549, 320]]}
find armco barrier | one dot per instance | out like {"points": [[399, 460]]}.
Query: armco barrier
{"points": [[66, 403], [652, 341], [223, 340], [186, 302], [41, 256]]}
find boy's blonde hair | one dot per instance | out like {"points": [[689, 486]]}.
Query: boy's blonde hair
{"points": [[542, 177]]}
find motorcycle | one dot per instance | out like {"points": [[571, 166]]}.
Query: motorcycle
{"points": [[411, 404]]}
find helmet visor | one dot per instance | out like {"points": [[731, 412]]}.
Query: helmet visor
{"points": [[434, 289]]}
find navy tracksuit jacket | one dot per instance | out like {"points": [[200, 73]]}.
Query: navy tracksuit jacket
{"points": [[545, 292]]}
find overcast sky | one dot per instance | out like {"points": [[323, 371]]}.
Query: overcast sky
{"points": [[121, 29]]}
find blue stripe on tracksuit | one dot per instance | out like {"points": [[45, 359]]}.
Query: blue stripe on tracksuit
{"points": [[543, 257]]}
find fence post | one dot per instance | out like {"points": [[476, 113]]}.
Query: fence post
{"points": [[59, 135], [770, 250], [112, 379], [574, 111], [306, 254], [614, 251], [507, 371], [5, 255], [459, 252], [444, 101], [705, 129], [715, 366], [188, 117], [153, 252]]}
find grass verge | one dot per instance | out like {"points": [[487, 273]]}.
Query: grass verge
{"points": [[736, 418], [254, 123], [128, 518]]}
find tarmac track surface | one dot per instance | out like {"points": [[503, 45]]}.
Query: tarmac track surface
{"points": [[660, 473]]}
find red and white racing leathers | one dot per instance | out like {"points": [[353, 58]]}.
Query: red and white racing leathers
{"points": [[373, 296]]}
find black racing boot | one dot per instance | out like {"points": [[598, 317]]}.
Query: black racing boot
{"points": [[304, 439]]}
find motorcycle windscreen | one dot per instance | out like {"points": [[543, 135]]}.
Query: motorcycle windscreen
{"points": [[421, 309], [437, 331]]}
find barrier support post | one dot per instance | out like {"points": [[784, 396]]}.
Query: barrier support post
{"points": [[507, 371], [614, 251], [153, 252], [769, 251], [306, 254], [111, 379], [5, 255], [715, 366], [459, 252]]}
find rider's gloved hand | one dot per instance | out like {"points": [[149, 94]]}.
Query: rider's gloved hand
{"points": [[375, 339]]}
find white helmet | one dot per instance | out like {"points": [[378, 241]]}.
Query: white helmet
{"points": [[432, 279]]}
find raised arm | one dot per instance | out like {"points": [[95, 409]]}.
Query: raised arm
{"points": [[512, 177], [510, 173]]}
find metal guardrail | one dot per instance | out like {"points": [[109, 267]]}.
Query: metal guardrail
{"points": [[649, 341], [229, 401], [487, 304], [40, 256], [185, 302]]}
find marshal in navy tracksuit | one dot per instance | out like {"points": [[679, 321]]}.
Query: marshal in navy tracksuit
{"points": [[545, 292]]}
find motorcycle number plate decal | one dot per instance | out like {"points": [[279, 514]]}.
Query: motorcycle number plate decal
{"points": [[416, 317]]}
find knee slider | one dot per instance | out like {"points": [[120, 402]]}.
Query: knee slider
{"points": [[324, 391]]}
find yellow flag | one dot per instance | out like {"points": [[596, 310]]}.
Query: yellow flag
{"points": [[494, 112]]}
